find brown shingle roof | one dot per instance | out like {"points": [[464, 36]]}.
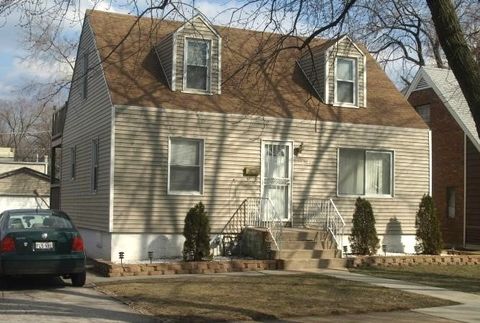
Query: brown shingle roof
{"points": [[134, 77]]}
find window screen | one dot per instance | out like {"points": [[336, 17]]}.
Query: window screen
{"points": [[185, 170]]}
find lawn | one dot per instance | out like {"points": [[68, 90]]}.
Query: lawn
{"points": [[461, 278], [261, 297]]}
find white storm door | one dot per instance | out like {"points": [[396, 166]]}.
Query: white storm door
{"points": [[277, 177]]}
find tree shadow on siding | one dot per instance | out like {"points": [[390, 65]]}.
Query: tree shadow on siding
{"points": [[393, 236]]}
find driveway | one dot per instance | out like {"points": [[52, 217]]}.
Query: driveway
{"points": [[51, 300]]}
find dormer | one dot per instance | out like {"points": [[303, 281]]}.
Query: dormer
{"points": [[336, 71], [190, 58]]}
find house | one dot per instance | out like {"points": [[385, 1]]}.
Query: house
{"points": [[22, 184], [164, 114], [24, 188], [437, 97]]}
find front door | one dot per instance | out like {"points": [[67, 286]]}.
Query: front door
{"points": [[277, 175]]}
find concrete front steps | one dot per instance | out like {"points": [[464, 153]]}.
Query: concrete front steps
{"points": [[303, 249]]}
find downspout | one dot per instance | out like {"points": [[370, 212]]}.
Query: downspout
{"points": [[464, 189], [430, 175]]}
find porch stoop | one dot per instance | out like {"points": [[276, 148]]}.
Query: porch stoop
{"points": [[308, 249]]}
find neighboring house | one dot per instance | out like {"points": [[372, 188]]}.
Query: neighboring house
{"points": [[185, 112], [19, 180], [437, 97], [24, 188], [8, 163]]}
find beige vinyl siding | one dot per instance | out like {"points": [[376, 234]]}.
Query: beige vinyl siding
{"points": [[345, 48], [164, 51], [232, 142], [197, 29], [313, 66], [87, 119]]}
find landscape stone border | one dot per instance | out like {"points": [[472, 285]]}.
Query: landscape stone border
{"points": [[392, 261], [109, 269]]}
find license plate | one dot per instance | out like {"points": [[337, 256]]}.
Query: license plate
{"points": [[47, 245]]}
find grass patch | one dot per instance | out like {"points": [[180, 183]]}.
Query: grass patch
{"points": [[266, 297], [461, 278]]}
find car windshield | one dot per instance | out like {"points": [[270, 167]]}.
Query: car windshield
{"points": [[30, 221]]}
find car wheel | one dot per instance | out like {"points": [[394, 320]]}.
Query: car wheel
{"points": [[78, 279]]}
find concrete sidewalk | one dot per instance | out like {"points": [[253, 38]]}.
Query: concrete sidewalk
{"points": [[467, 311]]}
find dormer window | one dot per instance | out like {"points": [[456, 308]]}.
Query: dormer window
{"points": [[345, 81], [197, 65]]}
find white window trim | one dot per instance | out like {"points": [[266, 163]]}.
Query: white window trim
{"points": [[202, 166], [93, 165], [208, 91], [355, 83], [365, 194]]}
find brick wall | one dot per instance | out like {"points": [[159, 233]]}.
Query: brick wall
{"points": [[109, 269], [473, 195], [395, 261], [447, 164]]}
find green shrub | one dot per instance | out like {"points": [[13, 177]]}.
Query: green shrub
{"points": [[196, 232], [429, 236], [363, 239]]}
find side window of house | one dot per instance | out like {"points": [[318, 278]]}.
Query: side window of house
{"points": [[365, 172], [424, 112], [95, 159], [185, 166], [85, 76], [346, 81], [73, 164], [197, 65], [451, 202]]}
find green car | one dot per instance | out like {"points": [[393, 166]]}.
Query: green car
{"points": [[41, 242]]}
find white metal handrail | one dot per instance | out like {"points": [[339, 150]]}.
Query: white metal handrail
{"points": [[324, 213], [252, 212], [261, 213]]}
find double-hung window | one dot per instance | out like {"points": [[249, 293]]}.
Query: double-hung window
{"points": [[424, 112], [346, 81], [197, 65], [185, 167], [365, 172], [95, 164]]}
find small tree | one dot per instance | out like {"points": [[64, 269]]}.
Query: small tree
{"points": [[429, 236], [196, 232], [363, 239]]}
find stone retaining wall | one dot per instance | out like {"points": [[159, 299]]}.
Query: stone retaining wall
{"points": [[109, 269], [391, 261]]}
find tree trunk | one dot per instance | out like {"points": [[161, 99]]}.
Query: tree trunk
{"points": [[459, 56]]}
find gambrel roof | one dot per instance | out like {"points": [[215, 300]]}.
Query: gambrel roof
{"points": [[445, 85], [249, 85]]}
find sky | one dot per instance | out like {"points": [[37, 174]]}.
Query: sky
{"points": [[16, 72]]}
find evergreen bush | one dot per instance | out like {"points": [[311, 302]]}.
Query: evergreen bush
{"points": [[363, 239], [429, 236], [196, 232]]}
